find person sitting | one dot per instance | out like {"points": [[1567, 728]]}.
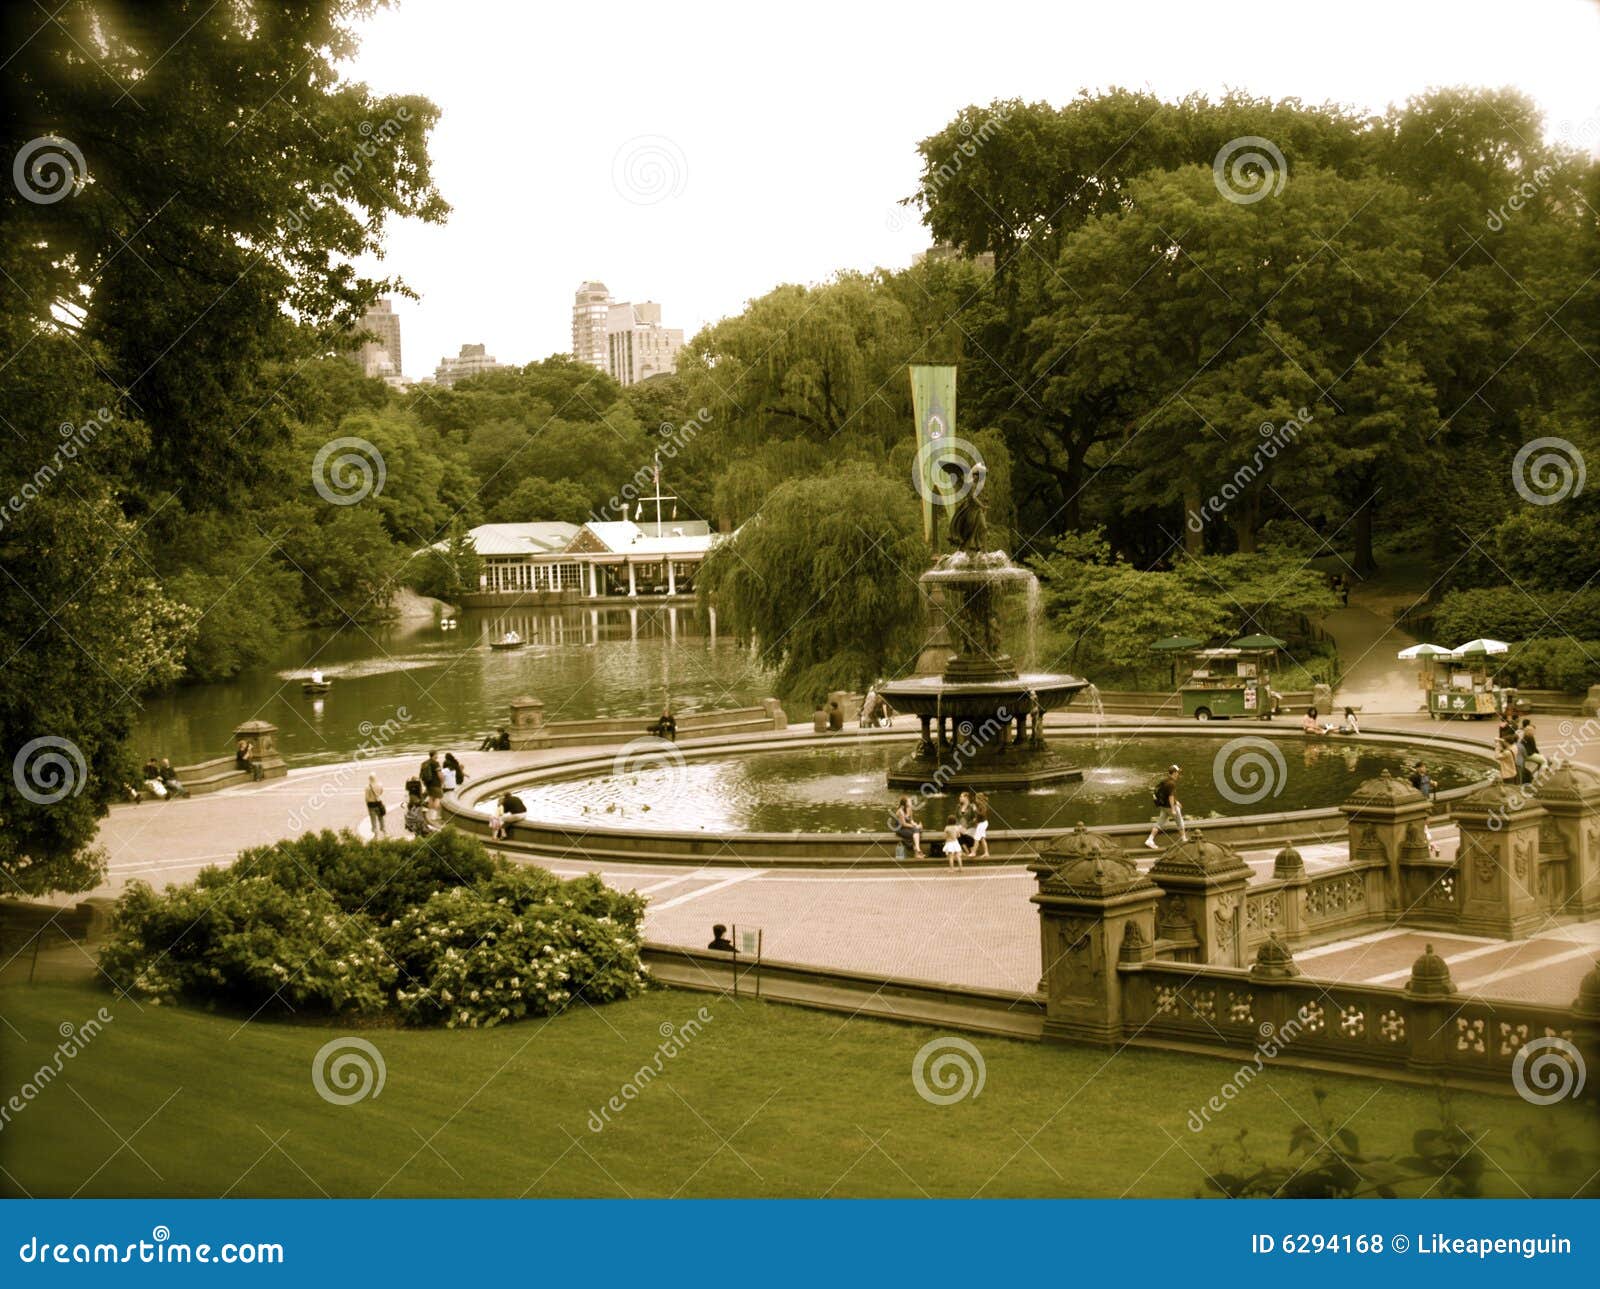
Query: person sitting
{"points": [[316, 675], [1423, 784], [819, 718], [512, 809], [244, 758], [903, 823], [1533, 762], [1312, 726], [1505, 760], [835, 716], [1349, 724], [417, 823], [170, 780], [666, 727], [499, 742], [719, 939]]}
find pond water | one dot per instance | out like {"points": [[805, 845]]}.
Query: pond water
{"points": [[418, 685], [841, 788]]}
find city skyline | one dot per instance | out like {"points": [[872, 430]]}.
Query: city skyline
{"points": [[689, 200]]}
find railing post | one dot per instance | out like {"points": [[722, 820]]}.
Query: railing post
{"points": [[1499, 862], [1209, 881], [1387, 819], [1573, 803], [1095, 908], [527, 723]]}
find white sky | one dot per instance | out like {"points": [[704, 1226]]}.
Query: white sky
{"points": [[788, 131]]}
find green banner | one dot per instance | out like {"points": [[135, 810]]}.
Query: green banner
{"points": [[933, 400]]}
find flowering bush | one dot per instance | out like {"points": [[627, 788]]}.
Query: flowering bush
{"points": [[521, 943], [330, 925], [247, 943]]}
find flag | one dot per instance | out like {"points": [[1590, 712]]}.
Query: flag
{"points": [[933, 401]]}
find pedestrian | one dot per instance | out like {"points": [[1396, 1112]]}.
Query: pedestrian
{"points": [[952, 842], [375, 807], [980, 833], [1167, 804], [432, 776], [455, 774], [967, 816]]}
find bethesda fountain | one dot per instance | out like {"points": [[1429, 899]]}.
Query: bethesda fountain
{"points": [[982, 717]]}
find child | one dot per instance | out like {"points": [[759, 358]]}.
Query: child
{"points": [[1349, 726], [497, 823], [952, 841], [980, 833]]}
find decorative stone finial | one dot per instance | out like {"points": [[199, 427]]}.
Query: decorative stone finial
{"points": [[1588, 1004], [1430, 976], [1288, 864], [1274, 961]]}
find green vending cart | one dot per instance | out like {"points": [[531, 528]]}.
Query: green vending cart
{"points": [[1232, 680]]}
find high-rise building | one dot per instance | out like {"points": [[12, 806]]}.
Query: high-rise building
{"points": [[591, 304], [637, 345], [473, 360], [380, 357]]}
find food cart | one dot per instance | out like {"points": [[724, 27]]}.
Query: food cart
{"points": [[1458, 683], [1234, 680]]}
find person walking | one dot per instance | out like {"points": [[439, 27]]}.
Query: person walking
{"points": [[1168, 805], [432, 776], [376, 810], [980, 831]]}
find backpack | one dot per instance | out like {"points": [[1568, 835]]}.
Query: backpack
{"points": [[1162, 794]]}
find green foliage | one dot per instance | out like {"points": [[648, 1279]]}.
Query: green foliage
{"points": [[521, 943], [824, 579], [1511, 613], [448, 570], [1559, 663], [534, 500], [432, 932]]}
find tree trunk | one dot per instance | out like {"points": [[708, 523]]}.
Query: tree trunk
{"points": [[1365, 564], [1194, 538]]}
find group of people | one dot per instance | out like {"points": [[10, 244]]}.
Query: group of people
{"points": [[1516, 748], [1313, 726], [424, 795], [966, 829], [158, 780]]}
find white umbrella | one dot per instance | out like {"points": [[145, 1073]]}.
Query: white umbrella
{"points": [[1483, 647], [1423, 651]]}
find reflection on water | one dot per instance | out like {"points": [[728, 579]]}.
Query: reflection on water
{"points": [[841, 789], [581, 662]]}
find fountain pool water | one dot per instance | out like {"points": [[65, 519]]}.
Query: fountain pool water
{"points": [[840, 787]]}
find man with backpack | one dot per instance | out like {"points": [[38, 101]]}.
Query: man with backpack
{"points": [[1167, 803]]}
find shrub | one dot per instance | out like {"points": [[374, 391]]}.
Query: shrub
{"points": [[1560, 663], [521, 943], [1509, 613], [246, 942], [382, 880], [432, 932]]}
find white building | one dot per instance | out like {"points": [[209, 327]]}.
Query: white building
{"points": [[473, 360], [597, 560], [637, 345], [591, 306]]}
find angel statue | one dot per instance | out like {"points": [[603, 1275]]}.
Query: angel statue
{"points": [[969, 517]]}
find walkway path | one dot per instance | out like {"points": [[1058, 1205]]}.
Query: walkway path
{"points": [[1374, 680], [973, 928]]}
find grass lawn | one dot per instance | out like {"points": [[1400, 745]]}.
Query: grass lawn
{"points": [[765, 1100]]}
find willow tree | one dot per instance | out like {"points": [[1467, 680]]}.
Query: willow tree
{"points": [[824, 579]]}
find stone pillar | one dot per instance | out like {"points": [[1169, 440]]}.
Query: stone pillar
{"points": [[1289, 868], [1095, 909], [1433, 1007], [1208, 883], [263, 736], [633, 588], [594, 581], [527, 722], [1388, 819], [1498, 862], [672, 578], [1322, 700], [1572, 801]]}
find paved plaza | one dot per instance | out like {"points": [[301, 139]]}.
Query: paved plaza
{"points": [[973, 928]]}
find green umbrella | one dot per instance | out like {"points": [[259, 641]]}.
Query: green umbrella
{"points": [[1257, 642], [1172, 644]]}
